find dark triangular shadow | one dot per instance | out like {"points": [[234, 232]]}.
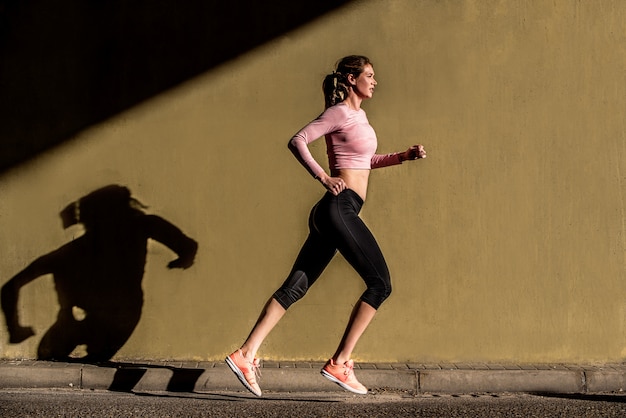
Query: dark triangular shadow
{"points": [[66, 67]]}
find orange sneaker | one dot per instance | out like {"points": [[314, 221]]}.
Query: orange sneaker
{"points": [[343, 375], [246, 371]]}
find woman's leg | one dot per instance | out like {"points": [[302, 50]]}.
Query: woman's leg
{"points": [[362, 315], [269, 317], [242, 361], [340, 369], [313, 258], [358, 246]]}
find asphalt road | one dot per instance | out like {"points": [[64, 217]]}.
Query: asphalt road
{"points": [[89, 403]]}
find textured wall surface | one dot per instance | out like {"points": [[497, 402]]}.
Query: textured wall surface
{"points": [[506, 244]]}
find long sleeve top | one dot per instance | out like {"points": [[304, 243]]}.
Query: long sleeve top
{"points": [[350, 141]]}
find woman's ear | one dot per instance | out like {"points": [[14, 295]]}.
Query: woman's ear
{"points": [[351, 79]]}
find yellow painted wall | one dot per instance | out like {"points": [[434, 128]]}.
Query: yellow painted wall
{"points": [[506, 244]]}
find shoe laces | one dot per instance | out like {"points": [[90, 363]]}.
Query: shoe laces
{"points": [[348, 368], [255, 365]]}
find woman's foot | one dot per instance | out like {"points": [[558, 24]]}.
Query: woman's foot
{"points": [[245, 370], [343, 375]]}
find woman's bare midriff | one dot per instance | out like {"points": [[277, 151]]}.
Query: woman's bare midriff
{"points": [[355, 179]]}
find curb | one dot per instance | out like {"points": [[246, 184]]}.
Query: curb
{"points": [[305, 377]]}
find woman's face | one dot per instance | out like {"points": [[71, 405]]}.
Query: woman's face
{"points": [[364, 84]]}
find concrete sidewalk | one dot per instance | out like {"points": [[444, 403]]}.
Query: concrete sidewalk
{"points": [[303, 377]]}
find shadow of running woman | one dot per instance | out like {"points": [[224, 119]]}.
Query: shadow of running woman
{"points": [[97, 276]]}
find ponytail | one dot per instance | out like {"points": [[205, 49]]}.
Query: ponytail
{"points": [[336, 88]]}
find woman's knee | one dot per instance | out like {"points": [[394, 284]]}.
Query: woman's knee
{"points": [[294, 289], [377, 294]]}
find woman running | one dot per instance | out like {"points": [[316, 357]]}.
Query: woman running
{"points": [[334, 221]]}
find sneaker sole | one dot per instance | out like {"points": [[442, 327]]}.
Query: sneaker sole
{"points": [[240, 376], [340, 383]]}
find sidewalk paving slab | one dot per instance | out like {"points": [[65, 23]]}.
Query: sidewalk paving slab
{"points": [[190, 376]]}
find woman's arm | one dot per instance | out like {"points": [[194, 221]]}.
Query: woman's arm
{"points": [[324, 124], [413, 153], [298, 146]]}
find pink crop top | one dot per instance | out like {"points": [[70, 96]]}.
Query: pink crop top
{"points": [[350, 141]]}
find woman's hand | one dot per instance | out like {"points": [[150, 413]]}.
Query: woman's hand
{"points": [[335, 185], [413, 153]]}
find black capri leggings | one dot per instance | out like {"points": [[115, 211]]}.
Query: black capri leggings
{"points": [[334, 224]]}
